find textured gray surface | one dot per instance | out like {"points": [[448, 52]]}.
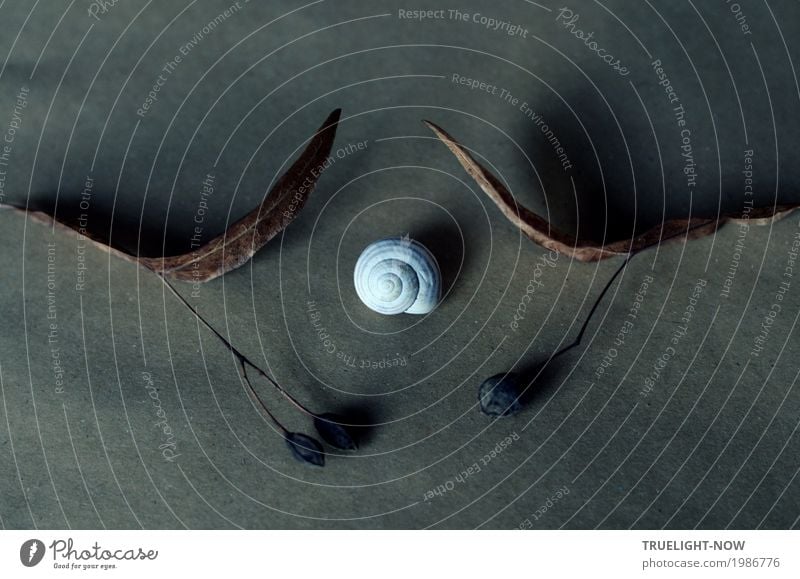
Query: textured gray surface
{"points": [[714, 444]]}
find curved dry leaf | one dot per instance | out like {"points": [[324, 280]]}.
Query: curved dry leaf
{"points": [[542, 232], [244, 238]]}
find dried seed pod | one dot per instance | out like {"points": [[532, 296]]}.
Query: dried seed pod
{"points": [[499, 395], [333, 431], [305, 449]]}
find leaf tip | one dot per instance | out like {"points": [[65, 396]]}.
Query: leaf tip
{"points": [[332, 120], [433, 126]]}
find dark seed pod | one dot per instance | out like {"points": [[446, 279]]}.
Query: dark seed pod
{"points": [[499, 395], [330, 428], [305, 449]]}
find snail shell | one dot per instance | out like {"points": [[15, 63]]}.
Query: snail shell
{"points": [[397, 275]]}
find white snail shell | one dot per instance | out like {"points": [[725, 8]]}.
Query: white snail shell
{"points": [[398, 275]]}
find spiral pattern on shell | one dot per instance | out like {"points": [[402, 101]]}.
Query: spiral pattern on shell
{"points": [[398, 275]]}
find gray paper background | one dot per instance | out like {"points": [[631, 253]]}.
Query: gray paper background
{"points": [[713, 445]]}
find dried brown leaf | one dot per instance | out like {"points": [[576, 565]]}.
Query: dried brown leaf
{"points": [[542, 232], [244, 238]]}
